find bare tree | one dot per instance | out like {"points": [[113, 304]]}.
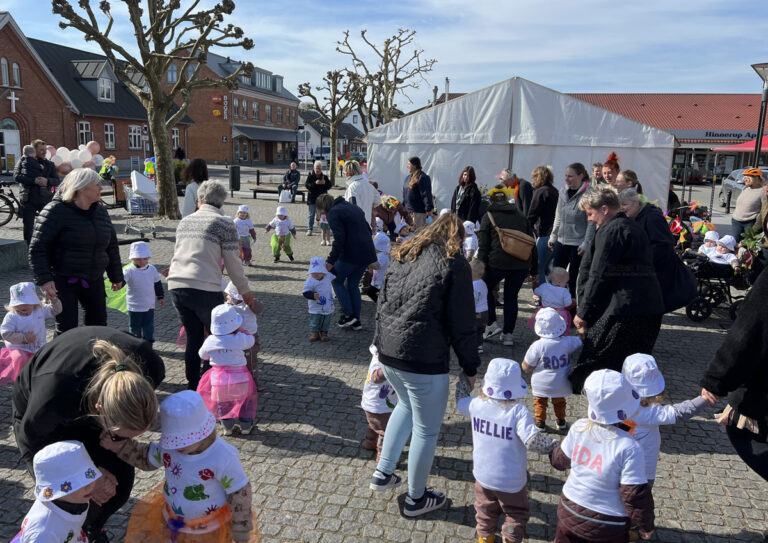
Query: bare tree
{"points": [[339, 97], [397, 71], [165, 34]]}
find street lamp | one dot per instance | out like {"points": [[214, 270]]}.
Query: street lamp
{"points": [[762, 71]]}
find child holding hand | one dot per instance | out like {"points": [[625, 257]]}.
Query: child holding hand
{"points": [[379, 399], [142, 288], [555, 294]]}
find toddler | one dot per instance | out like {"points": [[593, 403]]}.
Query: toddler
{"points": [[480, 289], [470, 241], [30, 164], [724, 253], [245, 232], [555, 294], [550, 360], [318, 291], [143, 286], [250, 325], [607, 489], [23, 329], [709, 247], [64, 478], [403, 232], [381, 244], [325, 229], [206, 496], [502, 430], [282, 226], [228, 388], [379, 399]]}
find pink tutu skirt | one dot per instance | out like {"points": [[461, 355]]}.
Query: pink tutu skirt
{"points": [[12, 361], [563, 313], [229, 392]]}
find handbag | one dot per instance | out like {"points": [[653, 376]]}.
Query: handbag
{"points": [[513, 242], [285, 196]]}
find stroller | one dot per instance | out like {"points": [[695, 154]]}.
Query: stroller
{"points": [[715, 284]]}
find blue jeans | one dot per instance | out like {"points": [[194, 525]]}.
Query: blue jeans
{"points": [[545, 257], [347, 287], [319, 322], [311, 221], [739, 227], [421, 403], [142, 324]]}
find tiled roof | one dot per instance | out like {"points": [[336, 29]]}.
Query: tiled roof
{"points": [[224, 66]]}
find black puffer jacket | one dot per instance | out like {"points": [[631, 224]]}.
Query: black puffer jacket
{"points": [[31, 192], [509, 216], [313, 189], [425, 307], [72, 242]]}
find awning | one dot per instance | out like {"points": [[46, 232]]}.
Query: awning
{"points": [[746, 147], [263, 134]]}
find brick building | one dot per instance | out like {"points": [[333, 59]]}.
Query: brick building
{"points": [[66, 97]]}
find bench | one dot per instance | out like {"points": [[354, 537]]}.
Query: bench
{"points": [[262, 189]]}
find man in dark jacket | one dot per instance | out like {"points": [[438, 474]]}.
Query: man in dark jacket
{"points": [[291, 181], [351, 253], [317, 183], [35, 190]]}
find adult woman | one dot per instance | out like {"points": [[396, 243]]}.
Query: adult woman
{"points": [[73, 244], [359, 191], [193, 174], [317, 183], [203, 240], [466, 198], [351, 253], [626, 179], [541, 214], [619, 298], [748, 203], [611, 168], [501, 266], [83, 386], [739, 371], [571, 232], [417, 193], [422, 312]]}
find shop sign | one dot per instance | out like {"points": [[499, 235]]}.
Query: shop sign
{"points": [[225, 106], [717, 135]]}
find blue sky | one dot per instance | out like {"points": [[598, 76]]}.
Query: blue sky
{"points": [[568, 45]]}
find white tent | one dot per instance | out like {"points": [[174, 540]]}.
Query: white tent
{"points": [[515, 124]]}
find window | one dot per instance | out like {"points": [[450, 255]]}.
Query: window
{"points": [[237, 149], [134, 136], [191, 71], [245, 80], [106, 90], [280, 150], [235, 108], [293, 117], [278, 85], [109, 136], [245, 108], [354, 119], [255, 107], [279, 115], [175, 138], [268, 113], [16, 75], [256, 153], [4, 72], [173, 73], [83, 132], [245, 149]]}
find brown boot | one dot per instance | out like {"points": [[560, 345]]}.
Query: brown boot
{"points": [[323, 336], [369, 445], [314, 336]]}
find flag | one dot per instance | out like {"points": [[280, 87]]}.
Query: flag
{"points": [[748, 259], [676, 226]]}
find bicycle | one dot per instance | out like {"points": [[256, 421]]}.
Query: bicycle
{"points": [[9, 205]]}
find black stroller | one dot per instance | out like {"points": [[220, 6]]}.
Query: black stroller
{"points": [[715, 284]]}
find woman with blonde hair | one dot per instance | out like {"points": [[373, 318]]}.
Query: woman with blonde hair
{"points": [[425, 307], [84, 386], [359, 191]]}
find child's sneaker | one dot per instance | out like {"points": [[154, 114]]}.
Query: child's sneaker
{"points": [[229, 426], [277, 258], [323, 336], [507, 340], [561, 424], [290, 257], [479, 349], [314, 336], [246, 427], [540, 424], [430, 501], [381, 482]]}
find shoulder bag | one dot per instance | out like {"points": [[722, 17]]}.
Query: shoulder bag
{"points": [[513, 242]]}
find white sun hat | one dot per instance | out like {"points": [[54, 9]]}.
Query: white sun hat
{"points": [[23, 293], [641, 371], [469, 227], [381, 242], [611, 398], [225, 319], [317, 265], [400, 226], [244, 209], [62, 468], [729, 242], [139, 249], [281, 210], [444, 211], [184, 420], [380, 223], [712, 235], [503, 380], [231, 290], [549, 323]]}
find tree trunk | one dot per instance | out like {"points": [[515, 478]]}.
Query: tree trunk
{"points": [[333, 152], [166, 182]]}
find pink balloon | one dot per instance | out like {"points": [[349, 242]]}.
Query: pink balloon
{"points": [[93, 147], [51, 149], [64, 169]]}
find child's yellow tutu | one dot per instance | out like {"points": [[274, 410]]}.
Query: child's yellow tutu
{"points": [[152, 521]]}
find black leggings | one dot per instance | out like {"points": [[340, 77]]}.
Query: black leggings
{"points": [[753, 451], [93, 299], [513, 281], [124, 473]]}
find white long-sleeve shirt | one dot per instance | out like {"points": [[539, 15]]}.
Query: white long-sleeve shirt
{"points": [[226, 350]]}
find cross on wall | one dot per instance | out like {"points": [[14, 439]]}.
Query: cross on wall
{"points": [[13, 98]]}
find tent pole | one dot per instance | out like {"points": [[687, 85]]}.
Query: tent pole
{"points": [[685, 174], [760, 125]]}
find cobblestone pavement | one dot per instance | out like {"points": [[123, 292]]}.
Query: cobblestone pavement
{"points": [[310, 473]]}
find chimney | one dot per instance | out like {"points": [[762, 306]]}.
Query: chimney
{"points": [[434, 95], [447, 88]]}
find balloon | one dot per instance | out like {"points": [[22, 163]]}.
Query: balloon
{"points": [[73, 153], [98, 159], [48, 155], [64, 169], [81, 147], [93, 147], [57, 160], [63, 152], [90, 165], [85, 156], [76, 163], [51, 149]]}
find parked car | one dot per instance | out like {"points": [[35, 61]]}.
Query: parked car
{"points": [[360, 157], [323, 153], [732, 187]]}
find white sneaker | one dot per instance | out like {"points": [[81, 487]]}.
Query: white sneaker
{"points": [[506, 339], [491, 330]]}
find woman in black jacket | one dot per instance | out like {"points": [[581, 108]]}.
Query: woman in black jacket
{"points": [[84, 386], [317, 183], [417, 193], [501, 266], [425, 308], [541, 215], [739, 370], [619, 299], [73, 244], [466, 198]]}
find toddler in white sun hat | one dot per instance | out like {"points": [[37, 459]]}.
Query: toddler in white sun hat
{"points": [[250, 325], [142, 288], [64, 478], [318, 291], [245, 233], [470, 240], [284, 233], [709, 246], [379, 269], [502, 431], [607, 490], [379, 399]]}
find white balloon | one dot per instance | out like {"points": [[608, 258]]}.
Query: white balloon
{"points": [[81, 147], [47, 155], [98, 160], [57, 160], [85, 156], [76, 163], [63, 152]]}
